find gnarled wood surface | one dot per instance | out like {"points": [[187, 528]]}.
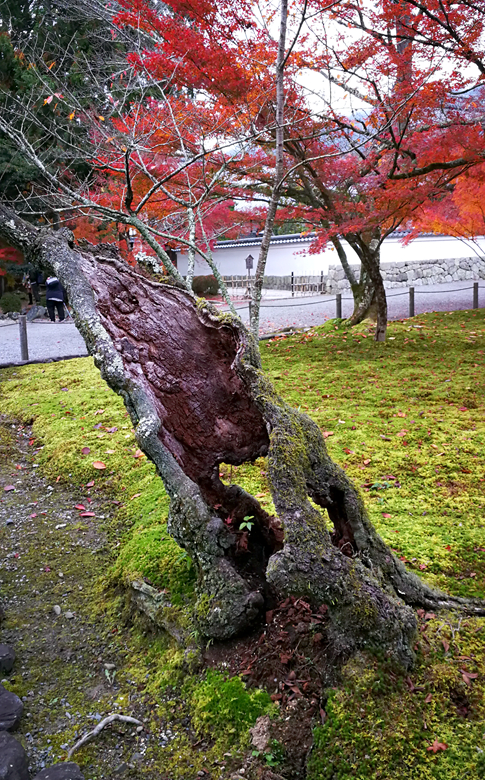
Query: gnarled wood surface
{"points": [[192, 383]]}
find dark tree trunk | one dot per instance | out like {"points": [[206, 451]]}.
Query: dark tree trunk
{"points": [[369, 254], [363, 290], [192, 383]]}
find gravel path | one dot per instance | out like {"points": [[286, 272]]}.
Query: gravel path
{"points": [[315, 310], [50, 559], [56, 340], [45, 340]]}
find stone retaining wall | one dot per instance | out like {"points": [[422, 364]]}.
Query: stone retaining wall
{"points": [[414, 274]]}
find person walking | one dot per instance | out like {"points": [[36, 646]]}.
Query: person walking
{"points": [[54, 298]]}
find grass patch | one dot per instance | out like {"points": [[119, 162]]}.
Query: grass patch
{"points": [[222, 705], [73, 409]]}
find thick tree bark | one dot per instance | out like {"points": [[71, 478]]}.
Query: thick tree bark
{"points": [[191, 381]]}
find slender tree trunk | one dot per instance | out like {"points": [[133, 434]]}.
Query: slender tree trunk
{"points": [[369, 253], [362, 290], [257, 288], [191, 251], [191, 381]]}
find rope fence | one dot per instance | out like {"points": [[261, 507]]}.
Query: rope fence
{"points": [[410, 292]]}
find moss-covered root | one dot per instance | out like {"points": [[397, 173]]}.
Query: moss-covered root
{"points": [[227, 604], [348, 567], [362, 614]]}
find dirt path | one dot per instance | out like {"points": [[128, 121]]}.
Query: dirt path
{"points": [[69, 665]]}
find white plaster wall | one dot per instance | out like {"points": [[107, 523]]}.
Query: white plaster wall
{"points": [[285, 258]]}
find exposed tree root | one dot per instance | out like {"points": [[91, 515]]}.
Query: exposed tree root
{"points": [[114, 716]]}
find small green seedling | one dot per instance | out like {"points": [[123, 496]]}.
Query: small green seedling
{"points": [[246, 523]]}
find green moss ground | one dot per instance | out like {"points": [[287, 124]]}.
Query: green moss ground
{"points": [[406, 420]]}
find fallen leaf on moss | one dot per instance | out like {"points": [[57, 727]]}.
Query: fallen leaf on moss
{"points": [[437, 746], [98, 464], [468, 676], [85, 451]]}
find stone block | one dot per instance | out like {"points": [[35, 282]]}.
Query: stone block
{"points": [[13, 759], [7, 658], [11, 709], [65, 771]]}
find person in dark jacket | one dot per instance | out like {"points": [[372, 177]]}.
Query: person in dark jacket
{"points": [[35, 278], [54, 298]]}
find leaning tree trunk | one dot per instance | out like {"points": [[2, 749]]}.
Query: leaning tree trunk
{"points": [[192, 383]]}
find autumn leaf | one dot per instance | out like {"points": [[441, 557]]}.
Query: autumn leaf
{"points": [[87, 514], [326, 434], [468, 676], [85, 451], [135, 496], [9, 487], [436, 746], [445, 644], [89, 484], [138, 454], [80, 506], [428, 698], [367, 461], [98, 464], [386, 515]]}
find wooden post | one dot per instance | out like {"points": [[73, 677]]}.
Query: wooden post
{"points": [[475, 295], [338, 299], [292, 284], [411, 301], [321, 282], [24, 347]]}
